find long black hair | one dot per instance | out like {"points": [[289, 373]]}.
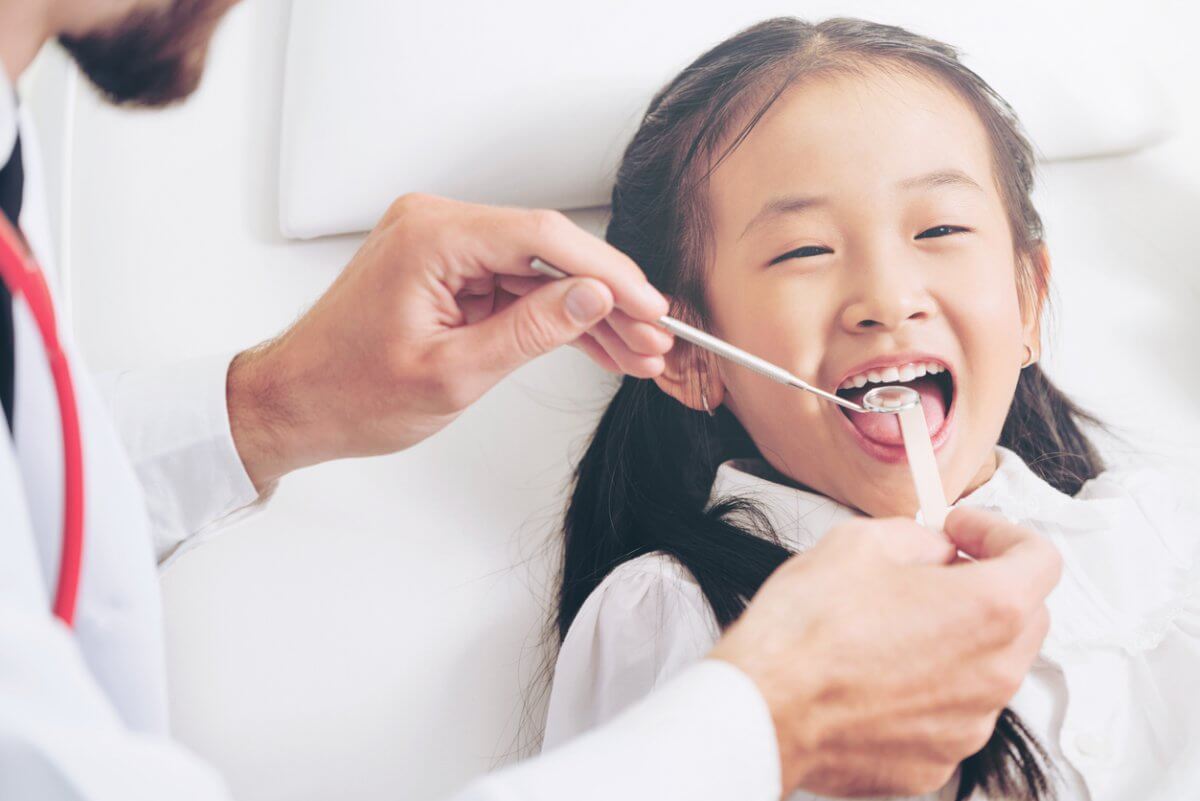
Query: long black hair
{"points": [[643, 484]]}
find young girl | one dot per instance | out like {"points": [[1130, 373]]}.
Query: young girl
{"points": [[852, 203]]}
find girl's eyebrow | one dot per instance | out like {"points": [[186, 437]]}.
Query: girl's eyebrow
{"points": [[950, 177], [794, 204], [788, 204]]}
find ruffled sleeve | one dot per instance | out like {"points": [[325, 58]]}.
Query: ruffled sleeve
{"points": [[1166, 502], [645, 623], [1154, 549], [1130, 541], [1124, 638], [1125, 630]]}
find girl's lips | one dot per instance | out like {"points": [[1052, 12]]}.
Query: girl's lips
{"points": [[894, 454]]}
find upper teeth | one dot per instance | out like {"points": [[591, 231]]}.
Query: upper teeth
{"points": [[887, 375]]}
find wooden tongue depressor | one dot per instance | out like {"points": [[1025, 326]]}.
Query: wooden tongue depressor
{"points": [[905, 403], [921, 462]]}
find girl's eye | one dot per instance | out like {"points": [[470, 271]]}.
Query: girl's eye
{"points": [[941, 230], [801, 253]]}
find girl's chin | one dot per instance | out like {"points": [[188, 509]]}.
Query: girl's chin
{"points": [[892, 493], [886, 497], [890, 510]]}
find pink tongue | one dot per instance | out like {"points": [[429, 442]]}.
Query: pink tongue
{"points": [[885, 428]]}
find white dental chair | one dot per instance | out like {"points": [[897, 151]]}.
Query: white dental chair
{"points": [[370, 635]]}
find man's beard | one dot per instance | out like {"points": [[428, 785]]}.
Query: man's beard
{"points": [[150, 57]]}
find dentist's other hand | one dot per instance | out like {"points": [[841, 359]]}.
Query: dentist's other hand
{"points": [[883, 665], [419, 325]]}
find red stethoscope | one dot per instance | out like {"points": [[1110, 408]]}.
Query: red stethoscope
{"points": [[24, 278]]}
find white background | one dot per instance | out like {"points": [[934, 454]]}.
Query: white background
{"points": [[369, 635]]}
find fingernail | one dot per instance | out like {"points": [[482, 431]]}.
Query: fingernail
{"points": [[585, 304]]}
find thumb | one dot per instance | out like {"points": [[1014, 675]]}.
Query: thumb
{"points": [[552, 315], [909, 543], [984, 535], [1019, 555]]}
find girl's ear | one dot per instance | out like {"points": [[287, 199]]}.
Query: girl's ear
{"points": [[1035, 304], [691, 379]]}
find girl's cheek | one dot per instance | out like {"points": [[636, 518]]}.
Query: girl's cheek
{"points": [[987, 323], [774, 323], [985, 283], [982, 305]]}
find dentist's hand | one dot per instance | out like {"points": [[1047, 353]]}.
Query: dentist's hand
{"points": [[436, 307], [883, 666]]}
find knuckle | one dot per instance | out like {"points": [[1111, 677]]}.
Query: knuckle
{"points": [[1003, 682], [855, 533], [939, 777], [792, 567], [976, 736], [1009, 683], [1041, 623], [546, 222], [847, 543], [951, 740], [929, 778], [867, 545], [408, 204], [1054, 561], [1003, 615], [416, 222]]}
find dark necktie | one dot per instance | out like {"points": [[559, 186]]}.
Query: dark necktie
{"points": [[12, 186]]}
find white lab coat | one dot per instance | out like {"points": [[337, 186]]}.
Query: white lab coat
{"points": [[83, 712]]}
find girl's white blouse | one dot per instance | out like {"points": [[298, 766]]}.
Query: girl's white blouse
{"points": [[1114, 696]]}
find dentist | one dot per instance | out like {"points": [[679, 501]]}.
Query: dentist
{"points": [[437, 306]]}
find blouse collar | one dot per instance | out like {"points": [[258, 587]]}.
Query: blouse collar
{"points": [[801, 517], [1103, 526]]}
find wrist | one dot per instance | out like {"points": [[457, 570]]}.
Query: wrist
{"points": [[261, 415]]}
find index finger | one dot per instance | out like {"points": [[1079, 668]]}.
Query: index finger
{"points": [[525, 234], [1013, 553]]}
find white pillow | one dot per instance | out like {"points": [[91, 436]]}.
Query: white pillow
{"points": [[531, 102]]}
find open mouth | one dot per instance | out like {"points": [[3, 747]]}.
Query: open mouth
{"points": [[932, 380]]}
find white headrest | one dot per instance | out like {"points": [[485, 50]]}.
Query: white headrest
{"points": [[531, 102]]}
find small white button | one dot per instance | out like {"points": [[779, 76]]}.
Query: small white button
{"points": [[1148, 640], [1089, 744]]}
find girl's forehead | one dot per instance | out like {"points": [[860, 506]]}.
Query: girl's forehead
{"points": [[852, 133]]}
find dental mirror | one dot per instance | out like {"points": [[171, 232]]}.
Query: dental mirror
{"points": [[891, 399]]}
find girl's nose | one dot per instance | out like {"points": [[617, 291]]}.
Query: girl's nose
{"points": [[886, 296]]}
